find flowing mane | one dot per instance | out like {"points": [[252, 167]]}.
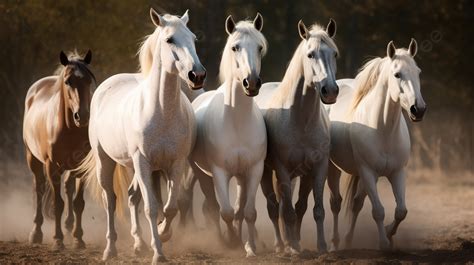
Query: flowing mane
{"points": [[243, 29], [295, 68], [367, 78], [148, 46]]}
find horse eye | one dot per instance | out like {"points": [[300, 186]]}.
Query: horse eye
{"points": [[260, 48], [397, 75], [67, 82], [169, 40], [310, 55], [235, 48]]}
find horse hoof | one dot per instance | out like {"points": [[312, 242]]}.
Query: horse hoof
{"points": [[323, 248], [385, 245], [58, 245], [279, 248], [335, 244], [291, 251], [158, 259], [109, 253], [250, 250], [164, 236], [36, 237], [79, 244], [139, 249]]}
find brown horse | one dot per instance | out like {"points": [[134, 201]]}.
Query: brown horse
{"points": [[55, 133]]}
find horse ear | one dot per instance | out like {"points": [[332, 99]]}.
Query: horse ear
{"points": [[413, 48], [155, 17], [185, 17], [304, 34], [87, 59], [331, 28], [258, 22], [63, 58], [229, 25], [391, 50]]}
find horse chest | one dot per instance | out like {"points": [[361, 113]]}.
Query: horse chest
{"points": [[69, 149]]}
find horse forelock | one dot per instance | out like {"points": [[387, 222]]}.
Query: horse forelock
{"points": [[243, 29]]}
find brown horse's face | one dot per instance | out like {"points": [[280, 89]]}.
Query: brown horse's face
{"points": [[78, 86]]}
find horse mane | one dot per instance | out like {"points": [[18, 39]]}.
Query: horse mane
{"points": [[147, 48], [367, 78], [243, 29], [295, 68]]}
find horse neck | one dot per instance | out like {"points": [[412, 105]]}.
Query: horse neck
{"points": [[162, 94], [386, 112], [299, 96], [235, 100]]}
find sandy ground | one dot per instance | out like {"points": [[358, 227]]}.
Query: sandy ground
{"points": [[439, 229]]}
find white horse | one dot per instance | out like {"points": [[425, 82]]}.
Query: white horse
{"points": [[144, 122], [370, 138], [298, 133], [231, 136]]}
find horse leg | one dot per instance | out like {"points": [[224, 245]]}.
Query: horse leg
{"points": [[78, 205], [171, 207], [319, 172], [105, 167], [301, 205], [210, 205], [36, 235], [397, 181], [185, 196], [134, 198], [369, 179], [272, 205], [357, 205], [240, 202], [156, 177], [286, 207], [221, 182], [143, 174], [54, 175], [334, 175], [252, 180], [69, 189]]}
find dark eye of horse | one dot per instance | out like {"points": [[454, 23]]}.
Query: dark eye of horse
{"points": [[310, 55], [169, 40], [67, 82], [260, 48], [397, 75], [236, 48]]}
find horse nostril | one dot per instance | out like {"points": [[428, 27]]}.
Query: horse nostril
{"points": [[77, 117], [245, 82], [413, 110], [191, 76], [259, 83], [324, 90]]}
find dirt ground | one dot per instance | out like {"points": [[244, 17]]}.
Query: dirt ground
{"points": [[439, 229]]}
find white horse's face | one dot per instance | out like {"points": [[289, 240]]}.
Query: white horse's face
{"points": [[246, 55], [404, 80], [178, 51], [319, 62]]}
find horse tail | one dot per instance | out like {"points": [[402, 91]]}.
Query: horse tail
{"points": [[350, 195], [48, 200], [121, 180]]}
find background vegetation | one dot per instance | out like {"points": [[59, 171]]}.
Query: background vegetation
{"points": [[33, 32]]}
